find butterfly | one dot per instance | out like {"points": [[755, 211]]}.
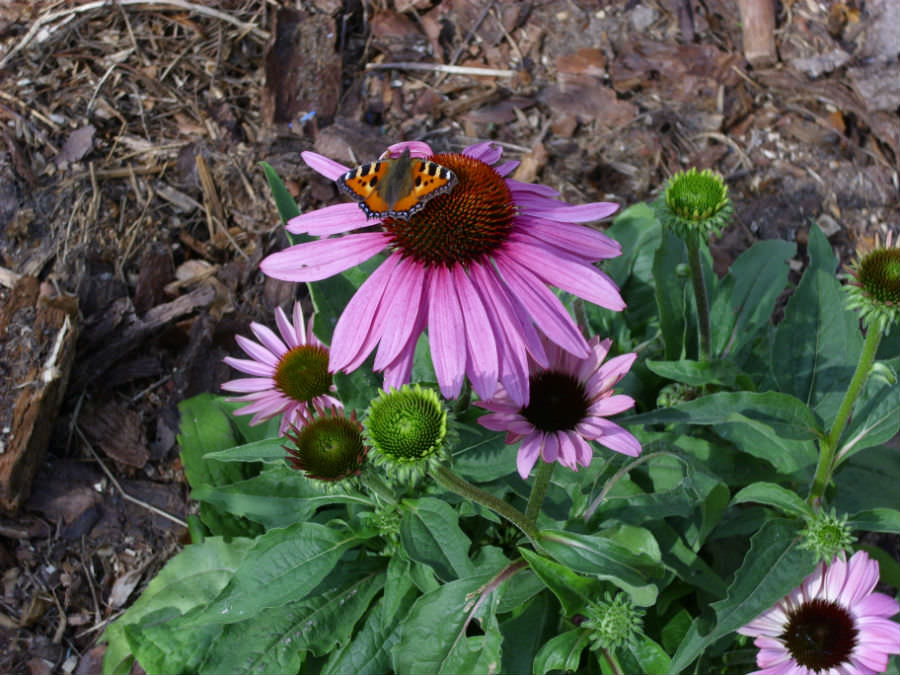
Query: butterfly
{"points": [[396, 188]]}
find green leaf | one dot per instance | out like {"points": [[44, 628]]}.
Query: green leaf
{"points": [[699, 373], [644, 656], [272, 642], [434, 637], [191, 579], [287, 207], [283, 566], [572, 590], [430, 534], [817, 368], [277, 497], [876, 520], [876, 413], [773, 566], [357, 389], [868, 480], [781, 498], [533, 622], [165, 648], [685, 562], [772, 426], [562, 652], [396, 587], [673, 301], [520, 589], [604, 559], [482, 455], [369, 651], [743, 303], [269, 451]]}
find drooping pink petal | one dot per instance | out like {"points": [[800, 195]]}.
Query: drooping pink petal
{"points": [[550, 450], [407, 286], [543, 305], [566, 213], [487, 152], [357, 330], [324, 166], [528, 455], [446, 332], [330, 220], [482, 346], [506, 168], [577, 239], [611, 405], [518, 188], [399, 371], [416, 149], [317, 260], [616, 438]]}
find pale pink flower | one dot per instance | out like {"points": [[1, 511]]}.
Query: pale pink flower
{"points": [[289, 374], [570, 400], [832, 624], [473, 267]]}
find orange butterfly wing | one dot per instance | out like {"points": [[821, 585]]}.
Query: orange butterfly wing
{"points": [[396, 188]]}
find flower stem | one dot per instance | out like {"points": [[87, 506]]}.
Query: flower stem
{"points": [[455, 483], [828, 445], [539, 490], [693, 246], [373, 481], [610, 657]]}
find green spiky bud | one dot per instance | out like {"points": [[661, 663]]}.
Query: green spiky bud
{"points": [[612, 622], [695, 204], [826, 535]]}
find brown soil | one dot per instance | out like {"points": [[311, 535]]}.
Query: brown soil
{"points": [[131, 202]]}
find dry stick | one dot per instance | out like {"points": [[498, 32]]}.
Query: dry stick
{"points": [[162, 4], [441, 68], [87, 575], [125, 495]]}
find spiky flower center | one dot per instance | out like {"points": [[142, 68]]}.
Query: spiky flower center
{"points": [[820, 635], [302, 373], [328, 447], [612, 621], [696, 195], [879, 275], [827, 534], [558, 401], [460, 227], [408, 425]]}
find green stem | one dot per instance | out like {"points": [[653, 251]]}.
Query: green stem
{"points": [[373, 481], [610, 657], [693, 246], [828, 446], [539, 490], [454, 483]]}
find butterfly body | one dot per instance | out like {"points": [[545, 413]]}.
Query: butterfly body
{"points": [[396, 188]]}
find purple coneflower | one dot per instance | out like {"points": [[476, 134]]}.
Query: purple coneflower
{"points": [[831, 624], [570, 399], [472, 266], [290, 374]]}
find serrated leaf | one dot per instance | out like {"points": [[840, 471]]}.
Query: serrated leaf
{"points": [[283, 566], [434, 638], [604, 559], [431, 534], [773, 566], [772, 494]]}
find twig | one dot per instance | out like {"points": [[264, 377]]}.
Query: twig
{"points": [[722, 138], [125, 495], [87, 575], [441, 68], [158, 4]]}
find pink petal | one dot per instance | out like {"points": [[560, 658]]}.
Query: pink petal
{"points": [[612, 405], [248, 384], [329, 220], [250, 367], [257, 352], [286, 328], [480, 341], [399, 371], [487, 152], [543, 305], [550, 450], [611, 372], [616, 438], [506, 168], [356, 332], [566, 213], [585, 281], [578, 239], [528, 454], [518, 188], [407, 286], [324, 166], [317, 260], [416, 149], [878, 604], [446, 332], [583, 451], [268, 339]]}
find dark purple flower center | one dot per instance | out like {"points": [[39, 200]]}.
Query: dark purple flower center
{"points": [[460, 227], [820, 635], [879, 274], [302, 373], [558, 401]]}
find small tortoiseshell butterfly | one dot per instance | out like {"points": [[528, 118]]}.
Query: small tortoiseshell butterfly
{"points": [[396, 188]]}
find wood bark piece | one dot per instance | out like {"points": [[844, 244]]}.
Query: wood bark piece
{"points": [[758, 30], [37, 347]]}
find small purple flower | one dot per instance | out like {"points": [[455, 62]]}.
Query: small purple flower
{"points": [[570, 400], [831, 624], [290, 374]]}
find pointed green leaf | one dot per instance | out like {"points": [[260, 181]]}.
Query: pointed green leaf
{"points": [[644, 656], [284, 202], [699, 373], [572, 590], [430, 534], [781, 498], [876, 520], [562, 652]]}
